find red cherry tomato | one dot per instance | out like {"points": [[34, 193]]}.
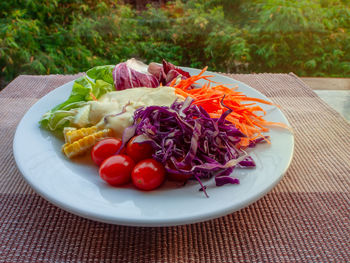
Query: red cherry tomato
{"points": [[116, 170], [178, 177], [139, 151], [104, 149], [148, 174]]}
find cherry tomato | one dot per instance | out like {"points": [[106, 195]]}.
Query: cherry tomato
{"points": [[139, 151], [148, 174], [116, 170], [104, 149], [178, 177]]}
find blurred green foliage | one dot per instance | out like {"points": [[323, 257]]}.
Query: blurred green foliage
{"points": [[308, 37]]}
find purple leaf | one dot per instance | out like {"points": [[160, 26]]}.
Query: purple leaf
{"points": [[133, 74]]}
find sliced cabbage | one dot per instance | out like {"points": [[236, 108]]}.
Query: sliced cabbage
{"points": [[188, 141]]}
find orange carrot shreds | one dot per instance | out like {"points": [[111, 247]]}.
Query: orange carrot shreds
{"points": [[182, 93], [93, 96], [247, 116], [203, 70], [172, 83]]}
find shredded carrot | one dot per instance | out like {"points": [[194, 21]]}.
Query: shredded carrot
{"points": [[244, 115], [93, 96], [173, 82]]}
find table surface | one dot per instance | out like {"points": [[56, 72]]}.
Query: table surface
{"points": [[338, 100], [304, 218]]}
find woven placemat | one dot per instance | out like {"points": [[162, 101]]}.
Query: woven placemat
{"points": [[305, 218]]}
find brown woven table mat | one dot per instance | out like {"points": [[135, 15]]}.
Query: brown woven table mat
{"points": [[305, 218]]}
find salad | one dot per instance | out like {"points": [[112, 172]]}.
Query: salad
{"points": [[151, 123]]}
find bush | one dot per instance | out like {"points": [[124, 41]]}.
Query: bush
{"points": [[308, 37]]}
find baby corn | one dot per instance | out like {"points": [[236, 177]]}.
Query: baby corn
{"points": [[72, 134], [83, 144]]}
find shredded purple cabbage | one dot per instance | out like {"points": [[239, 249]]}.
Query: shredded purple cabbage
{"points": [[253, 143], [188, 141]]}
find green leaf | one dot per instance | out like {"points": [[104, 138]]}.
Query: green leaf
{"points": [[101, 87], [63, 114], [102, 72]]}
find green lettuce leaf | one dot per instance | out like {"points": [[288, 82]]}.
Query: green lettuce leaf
{"points": [[101, 87], [104, 73], [83, 91]]}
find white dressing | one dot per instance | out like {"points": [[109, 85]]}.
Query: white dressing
{"points": [[115, 109]]}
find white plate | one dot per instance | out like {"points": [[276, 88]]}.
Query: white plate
{"points": [[76, 187]]}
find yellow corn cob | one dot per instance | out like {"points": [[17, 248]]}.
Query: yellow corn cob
{"points": [[84, 144], [71, 134], [67, 130]]}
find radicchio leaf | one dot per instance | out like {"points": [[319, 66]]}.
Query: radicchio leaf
{"points": [[133, 74], [167, 67], [167, 72]]}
